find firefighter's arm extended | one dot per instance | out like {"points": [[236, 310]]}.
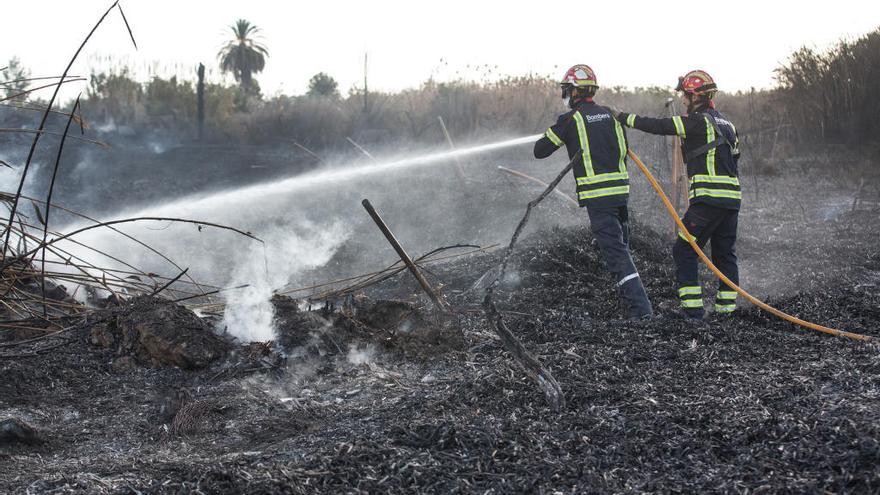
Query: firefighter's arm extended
{"points": [[551, 140], [680, 125]]}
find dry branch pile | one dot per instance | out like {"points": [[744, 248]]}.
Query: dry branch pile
{"points": [[35, 270]]}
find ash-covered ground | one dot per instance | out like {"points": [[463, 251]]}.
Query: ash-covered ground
{"points": [[387, 397]]}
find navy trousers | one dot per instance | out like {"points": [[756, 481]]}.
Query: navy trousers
{"points": [[717, 226], [610, 228]]}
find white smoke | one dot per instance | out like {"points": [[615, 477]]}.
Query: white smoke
{"points": [[11, 176], [107, 126], [278, 212], [157, 147], [249, 313], [358, 356], [8, 177]]}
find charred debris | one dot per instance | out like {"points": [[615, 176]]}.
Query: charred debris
{"points": [[372, 386], [411, 378], [464, 369]]}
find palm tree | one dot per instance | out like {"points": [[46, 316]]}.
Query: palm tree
{"points": [[243, 55]]}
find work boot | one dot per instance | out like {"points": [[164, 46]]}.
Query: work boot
{"points": [[723, 315]]}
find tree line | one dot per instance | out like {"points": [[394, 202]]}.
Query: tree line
{"points": [[821, 97], [831, 96]]}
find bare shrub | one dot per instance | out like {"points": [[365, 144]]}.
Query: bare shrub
{"points": [[831, 96]]}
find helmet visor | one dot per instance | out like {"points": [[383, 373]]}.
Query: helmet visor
{"points": [[567, 89], [680, 85]]}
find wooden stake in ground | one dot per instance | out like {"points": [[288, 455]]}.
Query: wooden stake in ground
{"points": [[360, 148], [200, 100], [309, 152], [678, 183], [458, 168], [405, 257]]}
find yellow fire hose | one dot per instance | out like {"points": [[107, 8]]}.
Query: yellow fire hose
{"points": [[757, 302]]}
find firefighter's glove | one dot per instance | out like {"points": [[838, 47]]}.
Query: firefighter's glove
{"points": [[617, 114]]}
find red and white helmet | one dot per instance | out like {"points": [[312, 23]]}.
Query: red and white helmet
{"points": [[580, 75], [697, 82]]}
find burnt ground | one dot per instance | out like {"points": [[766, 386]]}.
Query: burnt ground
{"points": [[388, 399]]}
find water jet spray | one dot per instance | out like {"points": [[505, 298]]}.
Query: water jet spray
{"points": [[309, 180]]}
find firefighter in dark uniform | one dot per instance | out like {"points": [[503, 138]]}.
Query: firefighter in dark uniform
{"points": [[710, 148], [597, 142]]}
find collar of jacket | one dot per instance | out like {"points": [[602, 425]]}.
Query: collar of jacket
{"points": [[703, 108]]}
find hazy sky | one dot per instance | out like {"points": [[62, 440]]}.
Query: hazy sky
{"points": [[634, 43]]}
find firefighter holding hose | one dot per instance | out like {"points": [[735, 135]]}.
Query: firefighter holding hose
{"points": [[594, 138], [710, 147]]}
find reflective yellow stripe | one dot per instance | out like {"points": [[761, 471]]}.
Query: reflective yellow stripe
{"points": [[631, 120], [591, 176], [691, 290], [691, 303], [710, 155], [553, 137], [608, 191], [621, 143], [726, 294], [715, 193], [716, 179], [581, 181], [679, 125], [724, 308], [684, 237], [585, 143]]}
